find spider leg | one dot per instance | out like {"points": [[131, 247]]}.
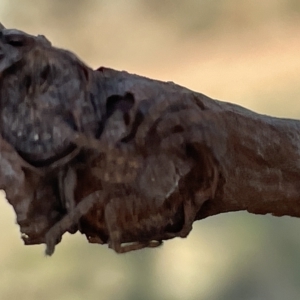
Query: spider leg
{"points": [[138, 245], [54, 234], [201, 196]]}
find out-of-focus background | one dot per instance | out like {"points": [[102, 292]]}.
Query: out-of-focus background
{"points": [[246, 52]]}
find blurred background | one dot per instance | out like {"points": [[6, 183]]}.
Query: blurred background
{"points": [[246, 52]]}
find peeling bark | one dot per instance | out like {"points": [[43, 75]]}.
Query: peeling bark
{"points": [[162, 157]]}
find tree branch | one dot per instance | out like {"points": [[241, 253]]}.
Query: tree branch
{"points": [[162, 157]]}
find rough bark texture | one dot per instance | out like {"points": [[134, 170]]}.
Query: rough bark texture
{"points": [[131, 161]]}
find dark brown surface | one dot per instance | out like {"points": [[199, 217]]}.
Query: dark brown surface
{"points": [[126, 159]]}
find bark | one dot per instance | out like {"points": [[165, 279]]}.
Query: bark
{"points": [[258, 156], [174, 156]]}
